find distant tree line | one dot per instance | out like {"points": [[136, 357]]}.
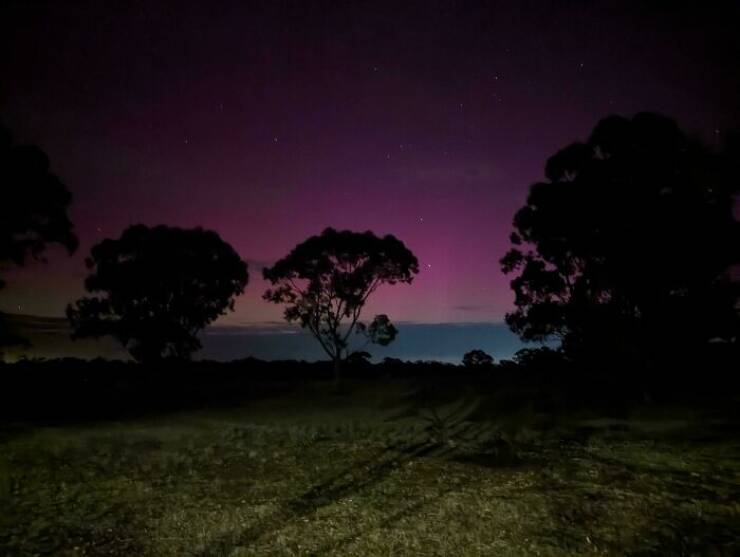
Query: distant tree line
{"points": [[536, 378]]}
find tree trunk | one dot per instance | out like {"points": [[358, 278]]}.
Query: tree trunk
{"points": [[337, 373]]}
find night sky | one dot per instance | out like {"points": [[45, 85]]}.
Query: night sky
{"points": [[268, 123]]}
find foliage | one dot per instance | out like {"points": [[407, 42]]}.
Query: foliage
{"points": [[626, 248], [359, 357], [380, 331], [477, 358], [156, 288], [541, 358], [33, 212], [325, 281]]}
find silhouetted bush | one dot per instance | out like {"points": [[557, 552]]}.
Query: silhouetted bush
{"points": [[477, 358]]}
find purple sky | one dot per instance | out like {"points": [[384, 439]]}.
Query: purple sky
{"points": [[270, 123]]}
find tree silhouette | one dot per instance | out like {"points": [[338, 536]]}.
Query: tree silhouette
{"points": [[626, 248], [156, 288], [33, 212], [380, 331], [477, 358], [359, 358], [326, 280]]}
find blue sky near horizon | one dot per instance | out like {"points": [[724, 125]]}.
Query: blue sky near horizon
{"points": [[446, 342]]}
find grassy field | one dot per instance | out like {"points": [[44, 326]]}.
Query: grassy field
{"points": [[372, 472]]}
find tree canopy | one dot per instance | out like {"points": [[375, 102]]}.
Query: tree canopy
{"points": [[325, 281], [156, 288], [33, 211], [477, 358], [629, 242]]}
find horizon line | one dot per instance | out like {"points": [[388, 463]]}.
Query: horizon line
{"points": [[275, 324]]}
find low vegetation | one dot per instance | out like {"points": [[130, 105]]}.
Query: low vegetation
{"points": [[386, 469]]}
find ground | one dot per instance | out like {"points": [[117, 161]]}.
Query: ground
{"points": [[372, 472]]}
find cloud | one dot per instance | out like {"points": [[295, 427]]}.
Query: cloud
{"points": [[473, 307], [259, 328]]}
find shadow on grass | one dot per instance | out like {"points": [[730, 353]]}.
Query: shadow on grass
{"points": [[677, 513], [351, 480], [408, 510], [444, 424]]}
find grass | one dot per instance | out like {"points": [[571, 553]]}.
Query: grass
{"points": [[371, 473]]}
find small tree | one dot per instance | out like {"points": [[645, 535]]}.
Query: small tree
{"points": [[477, 358], [157, 288], [380, 331], [359, 358], [325, 281]]}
